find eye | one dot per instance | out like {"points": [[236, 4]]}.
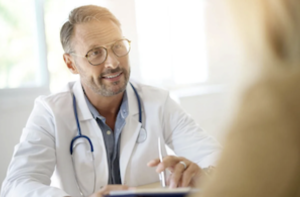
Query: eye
{"points": [[95, 53], [118, 46]]}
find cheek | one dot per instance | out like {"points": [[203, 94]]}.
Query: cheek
{"points": [[96, 72], [90, 71], [124, 62]]}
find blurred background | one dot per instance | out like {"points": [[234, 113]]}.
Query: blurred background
{"points": [[185, 46]]}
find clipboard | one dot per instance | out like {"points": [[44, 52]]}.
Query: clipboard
{"points": [[153, 190]]}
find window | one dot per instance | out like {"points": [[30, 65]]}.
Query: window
{"points": [[22, 49], [168, 49], [171, 42]]}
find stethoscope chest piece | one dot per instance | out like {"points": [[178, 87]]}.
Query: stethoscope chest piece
{"points": [[142, 136]]}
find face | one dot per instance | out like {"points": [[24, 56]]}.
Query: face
{"points": [[110, 77]]}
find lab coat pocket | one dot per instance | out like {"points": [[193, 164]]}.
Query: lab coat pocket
{"points": [[84, 166]]}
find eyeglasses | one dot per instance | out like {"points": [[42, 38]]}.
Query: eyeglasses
{"points": [[98, 55]]}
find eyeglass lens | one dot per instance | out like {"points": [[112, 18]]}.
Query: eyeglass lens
{"points": [[98, 55]]}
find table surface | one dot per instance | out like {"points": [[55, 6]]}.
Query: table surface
{"points": [[150, 186]]}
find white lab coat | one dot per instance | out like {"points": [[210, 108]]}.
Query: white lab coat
{"points": [[44, 148]]}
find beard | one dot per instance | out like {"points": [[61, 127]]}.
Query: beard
{"points": [[107, 89]]}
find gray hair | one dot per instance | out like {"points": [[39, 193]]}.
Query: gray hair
{"points": [[83, 14]]}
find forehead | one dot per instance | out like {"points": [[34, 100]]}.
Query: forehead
{"points": [[95, 33]]}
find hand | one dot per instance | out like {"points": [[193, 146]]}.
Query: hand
{"points": [[106, 189], [181, 176]]}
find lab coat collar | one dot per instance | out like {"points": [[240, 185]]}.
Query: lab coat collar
{"points": [[132, 100], [84, 112]]}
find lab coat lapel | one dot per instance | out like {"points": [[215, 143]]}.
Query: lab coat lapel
{"points": [[130, 132], [90, 128], [82, 108]]}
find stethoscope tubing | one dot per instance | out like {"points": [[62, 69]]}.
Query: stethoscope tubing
{"points": [[71, 148], [79, 130], [139, 103]]}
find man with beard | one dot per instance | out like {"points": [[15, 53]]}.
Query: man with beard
{"points": [[101, 133]]}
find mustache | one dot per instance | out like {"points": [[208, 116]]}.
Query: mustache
{"points": [[111, 71]]}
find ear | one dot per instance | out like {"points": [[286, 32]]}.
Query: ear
{"points": [[70, 63]]}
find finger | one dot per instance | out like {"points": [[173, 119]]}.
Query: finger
{"points": [[170, 169], [176, 175], [168, 162], [153, 162], [168, 180], [188, 174]]}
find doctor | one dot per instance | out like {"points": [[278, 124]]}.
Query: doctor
{"points": [[101, 133]]}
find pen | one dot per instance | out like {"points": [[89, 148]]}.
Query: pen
{"points": [[162, 175]]}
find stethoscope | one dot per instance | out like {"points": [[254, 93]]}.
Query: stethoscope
{"points": [[141, 138]]}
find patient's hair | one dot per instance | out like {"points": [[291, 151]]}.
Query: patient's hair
{"points": [[270, 28], [83, 14]]}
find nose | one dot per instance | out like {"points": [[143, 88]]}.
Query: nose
{"points": [[111, 60]]}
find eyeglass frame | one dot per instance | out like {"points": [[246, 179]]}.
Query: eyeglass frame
{"points": [[105, 48]]}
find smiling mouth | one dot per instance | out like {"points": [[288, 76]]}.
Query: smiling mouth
{"points": [[112, 76]]}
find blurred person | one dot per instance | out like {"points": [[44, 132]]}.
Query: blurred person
{"points": [[101, 133], [261, 155]]}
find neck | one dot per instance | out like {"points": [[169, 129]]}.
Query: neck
{"points": [[106, 106]]}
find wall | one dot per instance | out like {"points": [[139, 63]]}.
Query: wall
{"points": [[15, 108], [210, 111]]}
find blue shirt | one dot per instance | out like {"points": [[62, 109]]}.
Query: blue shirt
{"points": [[112, 138]]}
